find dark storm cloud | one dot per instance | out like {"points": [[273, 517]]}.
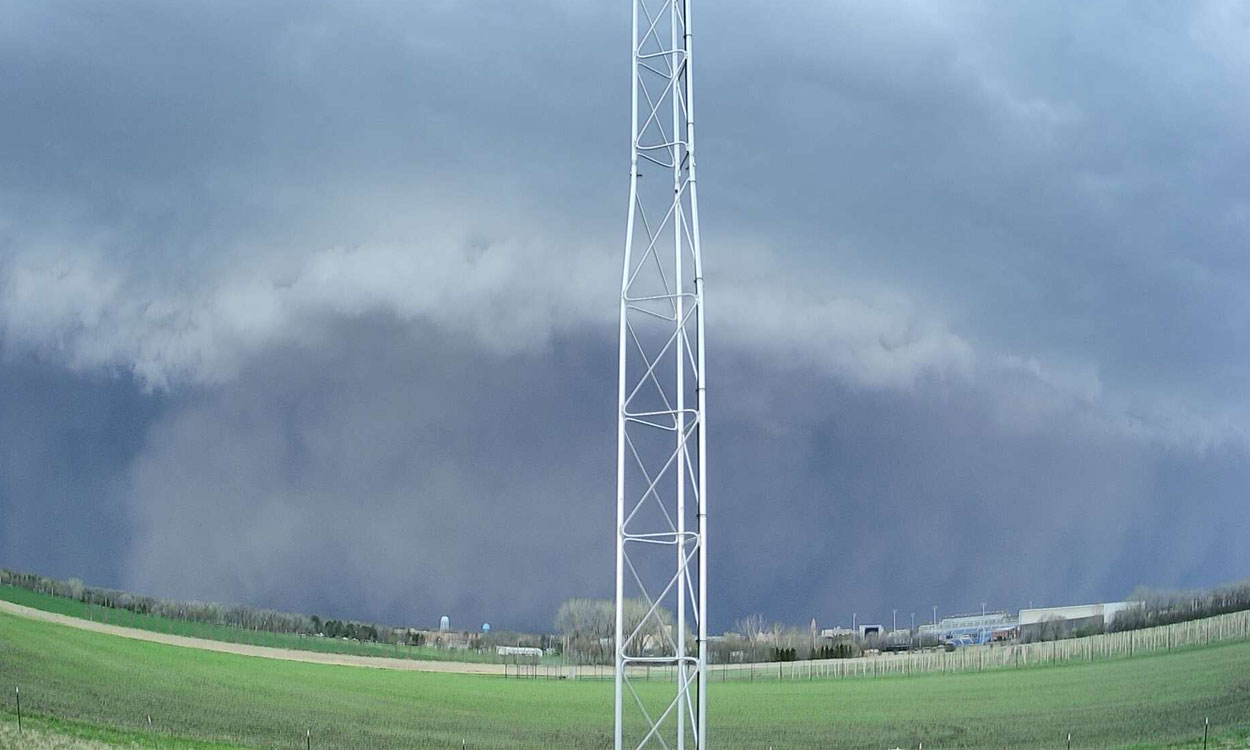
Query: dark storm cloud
{"points": [[332, 289], [369, 477], [1077, 170], [396, 472], [65, 443], [199, 123], [880, 500]]}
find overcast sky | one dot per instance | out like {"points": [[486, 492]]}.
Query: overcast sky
{"points": [[312, 305]]}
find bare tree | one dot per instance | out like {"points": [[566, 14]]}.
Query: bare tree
{"points": [[589, 628], [752, 627]]}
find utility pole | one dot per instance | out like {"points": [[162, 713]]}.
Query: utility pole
{"points": [[661, 503]]}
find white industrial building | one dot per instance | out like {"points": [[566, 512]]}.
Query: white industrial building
{"points": [[1067, 619], [979, 627]]}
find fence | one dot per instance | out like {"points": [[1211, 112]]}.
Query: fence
{"points": [[1232, 626]]}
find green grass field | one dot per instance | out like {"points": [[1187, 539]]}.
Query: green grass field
{"points": [[74, 608], [104, 687]]}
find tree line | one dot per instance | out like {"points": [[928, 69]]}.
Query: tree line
{"points": [[587, 627], [1167, 607], [1151, 608], [588, 630], [254, 618], [755, 639], [239, 616]]}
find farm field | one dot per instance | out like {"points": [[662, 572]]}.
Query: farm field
{"points": [[102, 688], [156, 624]]}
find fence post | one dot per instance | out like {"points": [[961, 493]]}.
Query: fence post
{"points": [[18, 692], [1206, 727]]}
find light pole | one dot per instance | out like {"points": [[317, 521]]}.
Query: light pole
{"points": [[853, 622], [895, 625], [935, 617]]}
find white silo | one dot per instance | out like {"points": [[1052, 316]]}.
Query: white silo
{"points": [[444, 624]]}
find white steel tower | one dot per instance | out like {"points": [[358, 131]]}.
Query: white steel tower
{"points": [[661, 506]]}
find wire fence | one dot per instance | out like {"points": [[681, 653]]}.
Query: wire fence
{"points": [[1227, 627]]}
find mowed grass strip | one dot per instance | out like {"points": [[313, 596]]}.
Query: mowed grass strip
{"points": [[55, 734], [91, 679]]}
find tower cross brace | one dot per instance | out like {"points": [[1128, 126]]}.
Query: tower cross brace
{"points": [[661, 503]]}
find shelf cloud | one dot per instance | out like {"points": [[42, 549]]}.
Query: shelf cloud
{"points": [[314, 306]]}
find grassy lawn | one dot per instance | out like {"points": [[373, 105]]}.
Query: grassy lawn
{"points": [[104, 687]]}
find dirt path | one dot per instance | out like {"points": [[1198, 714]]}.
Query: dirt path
{"points": [[243, 649]]}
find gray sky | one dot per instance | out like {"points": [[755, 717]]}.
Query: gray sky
{"points": [[312, 305]]}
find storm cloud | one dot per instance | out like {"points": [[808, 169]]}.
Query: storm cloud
{"points": [[313, 306]]}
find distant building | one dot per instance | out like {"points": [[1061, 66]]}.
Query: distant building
{"points": [[836, 632], [896, 640], [440, 638], [444, 624], [1059, 622], [976, 627], [518, 651]]}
